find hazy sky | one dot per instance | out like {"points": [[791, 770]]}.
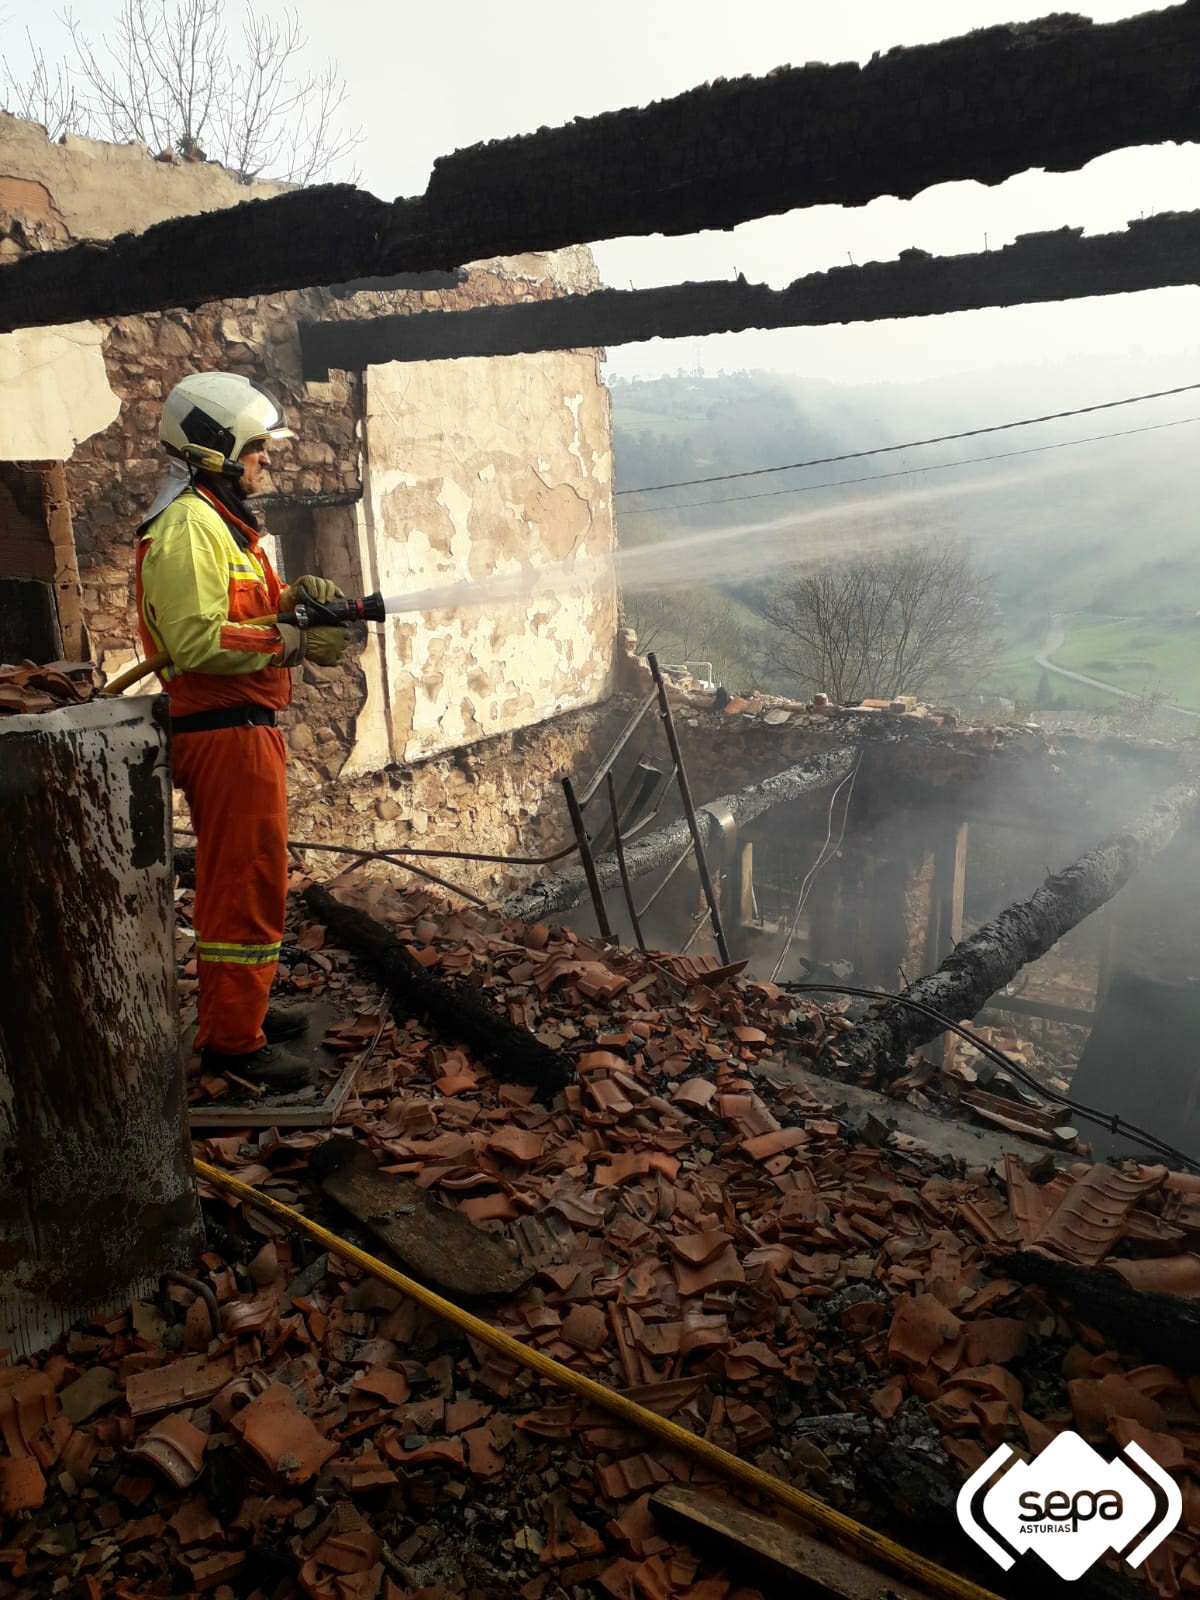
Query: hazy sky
{"points": [[426, 80]]}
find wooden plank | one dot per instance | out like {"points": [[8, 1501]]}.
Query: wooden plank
{"points": [[1027, 1006], [949, 894], [456, 1010], [565, 889], [746, 884], [269, 1114], [438, 1245], [808, 1567]]}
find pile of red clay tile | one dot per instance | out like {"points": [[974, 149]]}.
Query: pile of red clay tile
{"points": [[28, 688], [699, 1234]]}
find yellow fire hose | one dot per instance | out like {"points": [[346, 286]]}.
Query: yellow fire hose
{"points": [[845, 1532]]}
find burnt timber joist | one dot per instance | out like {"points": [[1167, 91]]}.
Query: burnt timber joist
{"points": [[992, 956], [1062, 265], [565, 889], [1052, 94]]}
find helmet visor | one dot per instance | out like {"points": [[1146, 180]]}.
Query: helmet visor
{"points": [[260, 439]]}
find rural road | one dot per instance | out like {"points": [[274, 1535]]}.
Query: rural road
{"points": [[1054, 638]]}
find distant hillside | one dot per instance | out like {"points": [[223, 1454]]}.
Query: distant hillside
{"points": [[1108, 528]]}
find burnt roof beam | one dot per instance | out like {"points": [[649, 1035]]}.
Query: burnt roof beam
{"points": [[1052, 94], [1160, 252]]}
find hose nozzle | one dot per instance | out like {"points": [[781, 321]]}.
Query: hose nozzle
{"points": [[335, 613]]}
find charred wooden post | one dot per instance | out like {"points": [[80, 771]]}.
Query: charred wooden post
{"points": [[455, 1011], [663, 847], [97, 1195], [983, 964]]}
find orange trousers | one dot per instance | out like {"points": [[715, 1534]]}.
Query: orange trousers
{"points": [[236, 789]]}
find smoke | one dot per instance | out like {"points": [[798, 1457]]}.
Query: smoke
{"points": [[856, 525]]}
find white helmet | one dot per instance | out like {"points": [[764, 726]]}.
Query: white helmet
{"points": [[218, 412]]}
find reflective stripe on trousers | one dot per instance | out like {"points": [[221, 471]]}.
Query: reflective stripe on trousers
{"points": [[236, 789]]}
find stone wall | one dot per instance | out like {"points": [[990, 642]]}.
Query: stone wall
{"points": [[501, 797], [511, 468]]}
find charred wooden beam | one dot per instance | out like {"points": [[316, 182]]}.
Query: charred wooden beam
{"points": [[1052, 94], [1063, 265], [563, 890], [1159, 1327], [455, 1011], [983, 964]]}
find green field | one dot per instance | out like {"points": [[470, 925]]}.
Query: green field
{"points": [[1017, 676], [1140, 655]]}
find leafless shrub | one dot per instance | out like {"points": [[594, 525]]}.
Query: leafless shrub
{"points": [[692, 625], [172, 75], [44, 93]]}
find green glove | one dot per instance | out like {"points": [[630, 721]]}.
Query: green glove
{"points": [[295, 643], [318, 589], [326, 646]]}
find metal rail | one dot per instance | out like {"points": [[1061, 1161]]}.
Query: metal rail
{"points": [[611, 829]]}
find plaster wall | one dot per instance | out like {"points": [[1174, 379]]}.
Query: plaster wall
{"points": [[54, 391], [87, 189], [482, 467]]}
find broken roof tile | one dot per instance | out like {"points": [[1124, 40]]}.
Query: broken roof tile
{"points": [[698, 1249], [22, 1485], [176, 1447], [389, 1383], [921, 1327], [1092, 1214], [282, 1437], [585, 1327], [773, 1144], [181, 1383], [1179, 1275]]}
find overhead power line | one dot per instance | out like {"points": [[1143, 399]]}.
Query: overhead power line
{"points": [[913, 444], [906, 472]]}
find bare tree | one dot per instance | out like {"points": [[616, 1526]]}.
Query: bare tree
{"points": [[692, 625], [172, 75], [912, 620], [44, 93]]}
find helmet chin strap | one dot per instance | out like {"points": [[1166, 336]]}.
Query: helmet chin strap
{"points": [[200, 458]]}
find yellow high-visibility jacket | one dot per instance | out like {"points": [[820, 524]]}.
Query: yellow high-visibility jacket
{"points": [[201, 575]]}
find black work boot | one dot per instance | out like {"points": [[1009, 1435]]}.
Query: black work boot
{"points": [[271, 1067], [284, 1022]]}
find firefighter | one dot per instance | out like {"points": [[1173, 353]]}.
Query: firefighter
{"points": [[201, 574]]}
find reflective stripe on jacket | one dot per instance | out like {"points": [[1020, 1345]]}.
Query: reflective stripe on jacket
{"points": [[195, 584]]}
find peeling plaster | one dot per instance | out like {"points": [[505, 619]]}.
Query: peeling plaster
{"points": [[54, 391], [370, 751], [478, 467], [91, 182]]}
